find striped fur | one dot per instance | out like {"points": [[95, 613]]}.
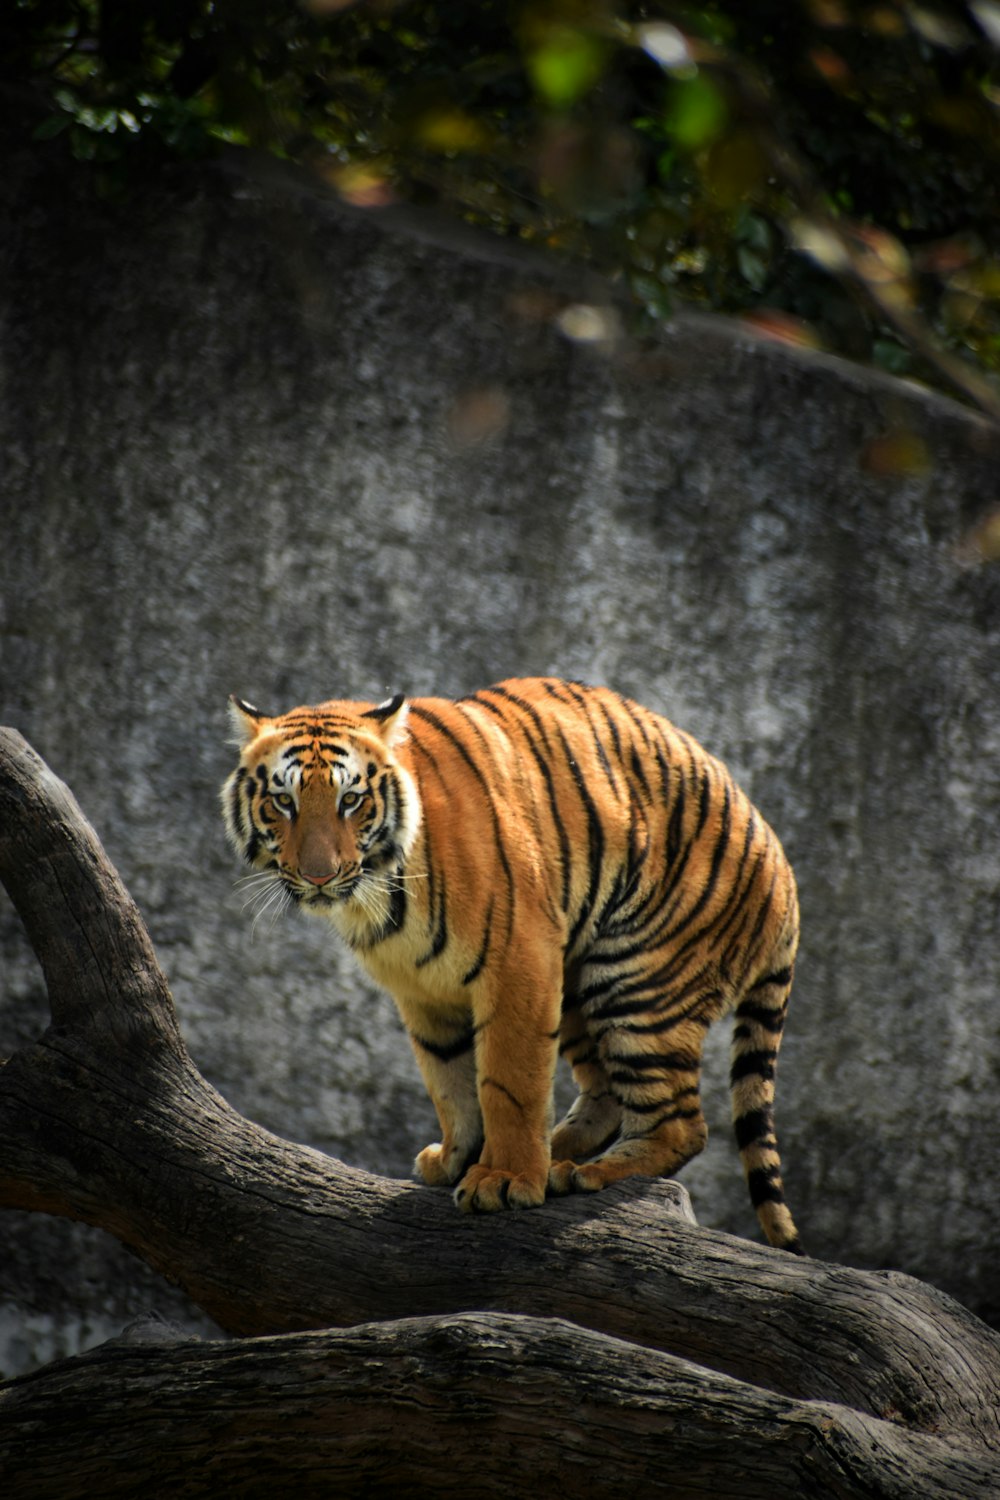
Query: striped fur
{"points": [[539, 868]]}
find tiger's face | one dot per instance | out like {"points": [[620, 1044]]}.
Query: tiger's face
{"points": [[320, 801]]}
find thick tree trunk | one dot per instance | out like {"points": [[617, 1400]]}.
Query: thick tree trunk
{"points": [[470, 1404], [841, 1382]]}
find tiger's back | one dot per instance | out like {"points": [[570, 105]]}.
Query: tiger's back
{"points": [[540, 867]]}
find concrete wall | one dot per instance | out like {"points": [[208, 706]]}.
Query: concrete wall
{"points": [[252, 443]]}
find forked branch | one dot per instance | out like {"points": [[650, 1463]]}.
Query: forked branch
{"points": [[107, 1120]]}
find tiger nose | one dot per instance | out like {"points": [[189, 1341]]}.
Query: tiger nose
{"points": [[316, 879]]}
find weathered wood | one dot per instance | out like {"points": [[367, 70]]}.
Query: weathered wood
{"points": [[106, 1119], [468, 1405]]}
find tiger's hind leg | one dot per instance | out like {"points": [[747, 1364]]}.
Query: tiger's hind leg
{"points": [[653, 1071], [760, 1020], [594, 1119]]}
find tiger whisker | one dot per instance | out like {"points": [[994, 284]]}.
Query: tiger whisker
{"points": [[265, 893], [260, 877], [376, 886], [274, 902], [398, 877], [367, 897], [259, 894]]}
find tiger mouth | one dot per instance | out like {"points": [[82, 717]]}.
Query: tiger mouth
{"points": [[325, 895]]}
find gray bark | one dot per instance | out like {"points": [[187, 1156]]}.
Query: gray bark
{"points": [[473, 1404], [860, 1383]]}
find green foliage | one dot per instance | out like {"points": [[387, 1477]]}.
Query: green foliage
{"points": [[827, 167]]}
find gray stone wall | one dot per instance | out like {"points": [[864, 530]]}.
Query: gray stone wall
{"points": [[251, 442]]}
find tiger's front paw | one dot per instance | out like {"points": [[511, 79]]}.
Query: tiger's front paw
{"points": [[486, 1189]]}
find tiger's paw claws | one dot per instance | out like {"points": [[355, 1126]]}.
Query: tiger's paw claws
{"points": [[567, 1177], [488, 1189]]}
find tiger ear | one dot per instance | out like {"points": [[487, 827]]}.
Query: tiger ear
{"points": [[390, 717], [246, 720]]}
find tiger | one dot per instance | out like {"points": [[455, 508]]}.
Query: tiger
{"points": [[538, 869]]}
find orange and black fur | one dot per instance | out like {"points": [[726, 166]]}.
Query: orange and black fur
{"points": [[539, 868]]}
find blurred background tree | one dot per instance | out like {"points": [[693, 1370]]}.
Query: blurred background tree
{"points": [[828, 169]]}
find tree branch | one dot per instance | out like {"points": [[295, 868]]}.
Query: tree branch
{"points": [[86, 930], [474, 1404], [106, 1119]]}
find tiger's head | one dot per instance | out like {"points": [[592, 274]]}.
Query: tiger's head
{"points": [[320, 801]]}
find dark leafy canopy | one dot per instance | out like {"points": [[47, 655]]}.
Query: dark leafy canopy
{"points": [[830, 167]]}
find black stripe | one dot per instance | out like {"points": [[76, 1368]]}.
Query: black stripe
{"points": [[595, 843], [763, 913], [760, 1063], [378, 839], [639, 771], [502, 1088], [691, 1012], [675, 827], [743, 945], [671, 1062], [394, 919], [440, 937], [683, 1004], [757, 1125], [763, 1187], [656, 988], [499, 691], [639, 717], [480, 959], [649, 997], [448, 1051], [718, 854], [781, 977], [594, 991], [705, 799], [600, 750], [743, 887], [612, 729], [419, 712], [663, 1118], [313, 722], [663, 933], [578, 1059], [236, 799], [655, 1107], [541, 760], [750, 1015], [679, 848]]}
